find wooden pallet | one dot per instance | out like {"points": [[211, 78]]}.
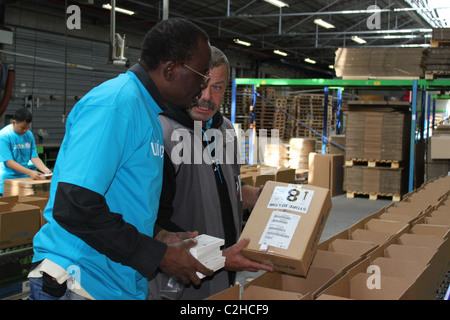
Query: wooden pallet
{"points": [[433, 75], [374, 195], [440, 43], [393, 164]]}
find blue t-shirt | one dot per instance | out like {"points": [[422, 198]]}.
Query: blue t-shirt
{"points": [[113, 145], [20, 148]]}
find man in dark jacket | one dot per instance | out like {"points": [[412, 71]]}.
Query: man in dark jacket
{"points": [[202, 189]]}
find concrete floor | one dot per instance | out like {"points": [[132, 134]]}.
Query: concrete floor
{"points": [[344, 213]]}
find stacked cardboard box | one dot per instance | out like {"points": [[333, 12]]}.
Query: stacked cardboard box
{"points": [[377, 147], [340, 147], [399, 252], [20, 219], [299, 150], [276, 155], [327, 171], [25, 186], [380, 63]]}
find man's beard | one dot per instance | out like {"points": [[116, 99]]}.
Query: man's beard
{"points": [[206, 104]]}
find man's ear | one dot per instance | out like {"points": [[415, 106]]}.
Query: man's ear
{"points": [[169, 69]]}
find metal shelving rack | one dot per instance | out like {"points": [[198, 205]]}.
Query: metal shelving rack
{"points": [[326, 84]]}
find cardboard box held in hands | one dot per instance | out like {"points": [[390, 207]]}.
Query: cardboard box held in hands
{"points": [[285, 226]]}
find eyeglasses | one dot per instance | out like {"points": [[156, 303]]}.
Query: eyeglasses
{"points": [[205, 77]]}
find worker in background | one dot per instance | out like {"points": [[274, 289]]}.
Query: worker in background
{"points": [[18, 154], [205, 197], [98, 240]]}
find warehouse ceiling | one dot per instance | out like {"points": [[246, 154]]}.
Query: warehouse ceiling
{"points": [[291, 29]]}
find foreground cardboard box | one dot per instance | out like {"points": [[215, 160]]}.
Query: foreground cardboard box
{"points": [[377, 231], [232, 293], [327, 171], [285, 226], [18, 225], [39, 201], [257, 293], [419, 256], [317, 279], [356, 287]]}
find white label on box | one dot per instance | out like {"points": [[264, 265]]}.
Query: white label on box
{"points": [[279, 230], [291, 198]]}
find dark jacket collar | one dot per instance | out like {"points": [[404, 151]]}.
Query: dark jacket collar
{"points": [[148, 83]]}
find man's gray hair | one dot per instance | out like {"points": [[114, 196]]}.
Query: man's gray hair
{"points": [[218, 58]]}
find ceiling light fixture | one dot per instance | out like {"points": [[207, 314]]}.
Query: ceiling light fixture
{"points": [[310, 61], [324, 24], [243, 43], [125, 11], [281, 53], [358, 40], [277, 3]]}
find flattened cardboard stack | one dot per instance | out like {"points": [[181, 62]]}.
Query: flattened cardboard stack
{"points": [[25, 186], [438, 63], [399, 252], [299, 150], [380, 63], [208, 252], [441, 34], [377, 146]]}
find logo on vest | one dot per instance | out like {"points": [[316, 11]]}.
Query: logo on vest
{"points": [[158, 150]]}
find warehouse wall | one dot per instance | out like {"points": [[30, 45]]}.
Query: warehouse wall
{"points": [[42, 84]]}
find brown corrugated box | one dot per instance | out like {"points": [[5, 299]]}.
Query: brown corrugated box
{"points": [[18, 225], [314, 282], [291, 238], [326, 171]]}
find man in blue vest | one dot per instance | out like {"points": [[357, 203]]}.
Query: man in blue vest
{"points": [[18, 154], [98, 240]]}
